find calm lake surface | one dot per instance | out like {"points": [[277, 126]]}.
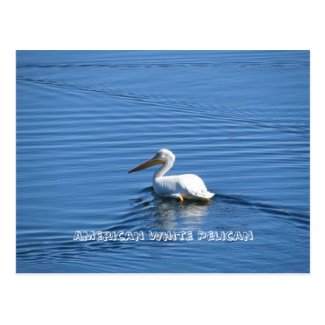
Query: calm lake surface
{"points": [[238, 119]]}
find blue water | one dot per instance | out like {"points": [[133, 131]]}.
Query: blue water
{"points": [[239, 119]]}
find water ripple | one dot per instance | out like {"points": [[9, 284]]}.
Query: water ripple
{"points": [[184, 107]]}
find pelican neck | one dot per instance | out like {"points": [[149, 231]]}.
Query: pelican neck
{"points": [[167, 165]]}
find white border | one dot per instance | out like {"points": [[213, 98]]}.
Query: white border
{"points": [[197, 299]]}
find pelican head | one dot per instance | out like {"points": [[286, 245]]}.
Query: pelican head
{"points": [[161, 157]]}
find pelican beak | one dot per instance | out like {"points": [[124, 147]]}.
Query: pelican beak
{"points": [[151, 162]]}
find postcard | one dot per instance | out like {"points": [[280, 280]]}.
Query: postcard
{"points": [[162, 162]]}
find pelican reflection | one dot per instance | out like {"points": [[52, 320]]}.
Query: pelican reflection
{"points": [[167, 213]]}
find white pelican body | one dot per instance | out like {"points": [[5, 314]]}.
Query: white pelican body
{"points": [[187, 186]]}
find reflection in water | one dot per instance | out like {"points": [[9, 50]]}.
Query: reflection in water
{"points": [[171, 208], [168, 212]]}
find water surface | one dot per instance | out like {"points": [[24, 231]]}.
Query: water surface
{"points": [[239, 119]]}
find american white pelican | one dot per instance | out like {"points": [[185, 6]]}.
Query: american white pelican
{"points": [[187, 186]]}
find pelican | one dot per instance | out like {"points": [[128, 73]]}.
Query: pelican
{"points": [[187, 186]]}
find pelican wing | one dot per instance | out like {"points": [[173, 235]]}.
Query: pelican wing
{"points": [[188, 185]]}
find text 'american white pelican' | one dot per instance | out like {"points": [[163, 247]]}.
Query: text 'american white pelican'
{"points": [[187, 186]]}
